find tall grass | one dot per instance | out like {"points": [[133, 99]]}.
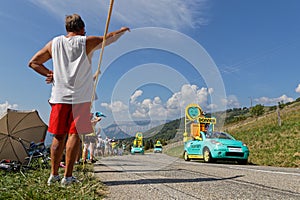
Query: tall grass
{"points": [[269, 143]]}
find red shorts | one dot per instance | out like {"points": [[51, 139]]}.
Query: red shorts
{"points": [[70, 119]]}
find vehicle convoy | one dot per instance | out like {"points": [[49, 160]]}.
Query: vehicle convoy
{"points": [[157, 147], [202, 142], [138, 146]]}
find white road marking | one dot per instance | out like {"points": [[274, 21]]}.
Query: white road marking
{"points": [[266, 171]]}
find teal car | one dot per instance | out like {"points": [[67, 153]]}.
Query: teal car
{"points": [[157, 149], [215, 146], [139, 150], [137, 146]]}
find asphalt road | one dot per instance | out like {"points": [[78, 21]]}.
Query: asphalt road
{"points": [[158, 176]]}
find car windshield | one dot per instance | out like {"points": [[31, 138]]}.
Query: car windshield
{"points": [[158, 147], [219, 135]]}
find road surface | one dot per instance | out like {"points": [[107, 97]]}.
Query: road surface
{"points": [[158, 176]]}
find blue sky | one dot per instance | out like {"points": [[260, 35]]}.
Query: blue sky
{"points": [[220, 54]]}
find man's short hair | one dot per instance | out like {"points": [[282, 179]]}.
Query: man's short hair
{"points": [[74, 23]]}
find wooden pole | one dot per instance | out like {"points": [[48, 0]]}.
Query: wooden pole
{"points": [[99, 63], [102, 50], [278, 115]]}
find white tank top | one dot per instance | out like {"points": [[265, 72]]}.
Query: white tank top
{"points": [[72, 71]]}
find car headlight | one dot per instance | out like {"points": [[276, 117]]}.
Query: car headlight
{"points": [[244, 145]]}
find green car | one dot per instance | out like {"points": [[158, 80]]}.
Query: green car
{"points": [[216, 146]]}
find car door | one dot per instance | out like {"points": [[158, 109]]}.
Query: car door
{"points": [[194, 147]]}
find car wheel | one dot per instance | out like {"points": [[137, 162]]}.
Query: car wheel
{"points": [[243, 162], [207, 155], [186, 156]]}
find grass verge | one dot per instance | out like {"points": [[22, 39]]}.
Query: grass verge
{"points": [[33, 185], [176, 151]]}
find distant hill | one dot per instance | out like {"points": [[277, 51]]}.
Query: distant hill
{"points": [[165, 133], [114, 131], [128, 129]]}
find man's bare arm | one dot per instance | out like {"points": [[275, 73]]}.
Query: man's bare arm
{"points": [[38, 60], [94, 42]]}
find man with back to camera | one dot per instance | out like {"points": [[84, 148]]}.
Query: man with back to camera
{"points": [[72, 88]]}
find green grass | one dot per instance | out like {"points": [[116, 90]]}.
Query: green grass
{"points": [[176, 151], [269, 143], [32, 184]]}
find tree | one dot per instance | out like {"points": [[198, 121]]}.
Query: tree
{"points": [[257, 110], [281, 104]]}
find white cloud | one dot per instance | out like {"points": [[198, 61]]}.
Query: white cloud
{"points": [[148, 108], [298, 89], [116, 106], [5, 106], [231, 101], [273, 101], [157, 101], [141, 110], [172, 108], [168, 13], [157, 109], [135, 95], [189, 94], [176, 14]]}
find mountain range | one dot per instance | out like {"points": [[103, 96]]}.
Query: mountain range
{"points": [[128, 129]]}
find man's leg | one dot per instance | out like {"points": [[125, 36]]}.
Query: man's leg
{"points": [[85, 151], [79, 155], [86, 144], [72, 149], [92, 149], [102, 151], [57, 148]]}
